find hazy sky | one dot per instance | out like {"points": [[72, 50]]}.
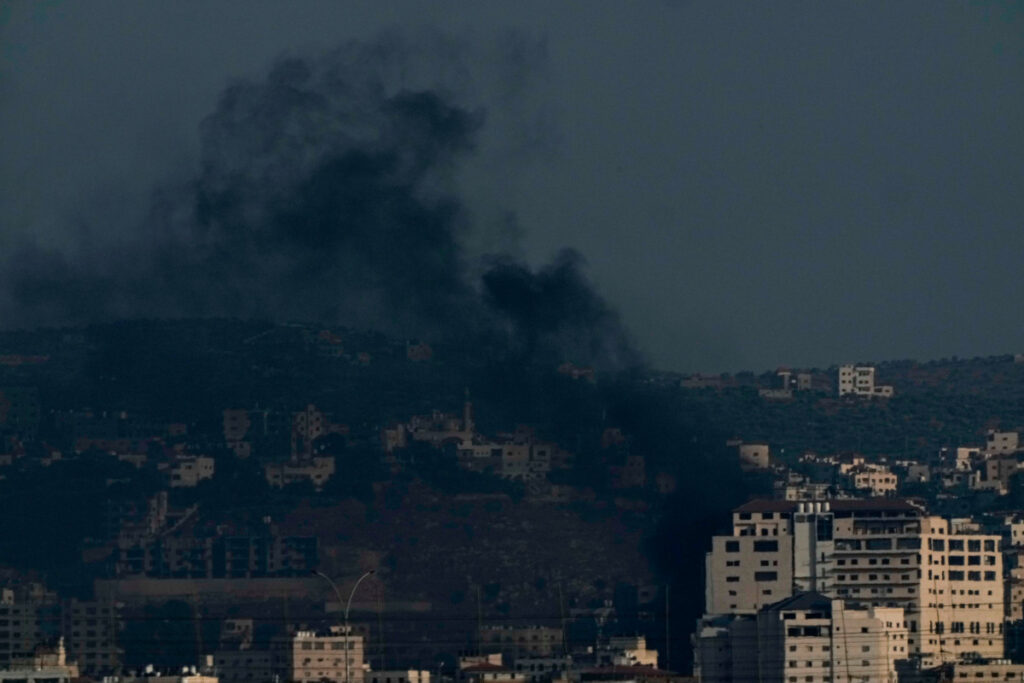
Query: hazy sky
{"points": [[752, 184]]}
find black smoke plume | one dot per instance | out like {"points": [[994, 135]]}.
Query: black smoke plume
{"points": [[325, 193]]}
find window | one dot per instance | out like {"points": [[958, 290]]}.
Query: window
{"points": [[766, 576], [766, 546], [732, 546]]}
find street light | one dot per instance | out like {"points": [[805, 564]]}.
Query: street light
{"points": [[348, 606]]}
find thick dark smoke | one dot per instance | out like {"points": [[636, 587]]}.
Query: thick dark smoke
{"points": [[556, 307], [325, 193]]}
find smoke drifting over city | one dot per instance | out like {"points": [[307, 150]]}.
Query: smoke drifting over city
{"points": [[325, 193]]}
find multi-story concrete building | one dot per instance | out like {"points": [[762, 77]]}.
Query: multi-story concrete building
{"points": [[994, 473], [1001, 442], [88, 630], [304, 656], [885, 553], [860, 381], [807, 637], [533, 641], [245, 665], [312, 656], [262, 554], [308, 425]]}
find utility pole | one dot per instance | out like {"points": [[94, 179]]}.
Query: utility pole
{"points": [[198, 627], [479, 624], [561, 609], [380, 626], [348, 606], [668, 664]]}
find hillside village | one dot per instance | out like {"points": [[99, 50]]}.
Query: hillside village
{"points": [[218, 491]]}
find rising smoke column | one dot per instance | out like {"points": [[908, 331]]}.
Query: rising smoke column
{"points": [[555, 310], [325, 193]]}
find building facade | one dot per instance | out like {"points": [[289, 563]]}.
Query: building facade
{"points": [[878, 553], [809, 638]]}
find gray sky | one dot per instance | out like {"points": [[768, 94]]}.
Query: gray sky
{"points": [[752, 184]]}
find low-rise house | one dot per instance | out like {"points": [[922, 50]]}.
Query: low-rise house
{"points": [[754, 456], [628, 651], [317, 470], [877, 481], [439, 428], [541, 669], [188, 470], [398, 676], [484, 672]]}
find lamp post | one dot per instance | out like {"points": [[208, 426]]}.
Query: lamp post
{"points": [[348, 606]]}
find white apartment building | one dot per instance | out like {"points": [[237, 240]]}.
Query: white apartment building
{"points": [[859, 380], [884, 553], [809, 637]]}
